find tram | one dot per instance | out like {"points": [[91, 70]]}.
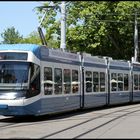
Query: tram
{"points": [[36, 80]]}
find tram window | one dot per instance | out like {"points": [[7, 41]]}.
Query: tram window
{"points": [[75, 84], [88, 81], [48, 81], [135, 82], [34, 81], [113, 82], [58, 81], [102, 81], [13, 56], [126, 84], [120, 82], [95, 81], [67, 81], [139, 82]]}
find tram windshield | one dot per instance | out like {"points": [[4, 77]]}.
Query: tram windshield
{"points": [[19, 79], [14, 75]]}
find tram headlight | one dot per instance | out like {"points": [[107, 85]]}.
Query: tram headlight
{"points": [[8, 96], [12, 96]]}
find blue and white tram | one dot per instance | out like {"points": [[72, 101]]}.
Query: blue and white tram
{"points": [[36, 80]]}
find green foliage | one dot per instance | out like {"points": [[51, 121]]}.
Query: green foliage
{"points": [[97, 27], [11, 36], [33, 38]]}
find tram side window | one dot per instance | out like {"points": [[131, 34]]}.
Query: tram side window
{"points": [[34, 80], [48, 81], [95, 81], [135, 82], [88, 81], [58, 81], [67, 81], [120, 82], [102, 81], [126, 82], [113, 82], [75, 84], [139, 82]]}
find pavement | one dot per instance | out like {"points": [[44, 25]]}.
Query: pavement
{"points": [[116, 122]]}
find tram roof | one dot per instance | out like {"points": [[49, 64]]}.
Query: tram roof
{"points": [[22, 47], [39, 51]]}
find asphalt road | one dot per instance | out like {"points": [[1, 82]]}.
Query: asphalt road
{"points": [[116, 122]]}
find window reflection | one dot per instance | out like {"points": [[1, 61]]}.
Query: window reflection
{"points": [[13, 73], [75, 83], [67, 81], [95, 81], [120, 82], [58, 81], [102, 81], [113, 82], [135, 82], [48, 82], [88, 81]]}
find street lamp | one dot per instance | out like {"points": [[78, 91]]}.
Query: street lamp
{"points": [[63, 26], [136, 38]]}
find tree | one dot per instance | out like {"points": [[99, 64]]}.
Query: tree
{"points": [[33, 38], [11, 36], [98, 27]]}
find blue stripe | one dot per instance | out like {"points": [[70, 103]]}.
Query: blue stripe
{"points": [[119, 68], [3, 106], [62, 61], [94, 65], [136, 68]]}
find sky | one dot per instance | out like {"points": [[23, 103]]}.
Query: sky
{"points": [[20, 14]]}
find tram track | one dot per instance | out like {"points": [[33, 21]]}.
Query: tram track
{"points": [[7, 122], [106, 123], [94, 118]]}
